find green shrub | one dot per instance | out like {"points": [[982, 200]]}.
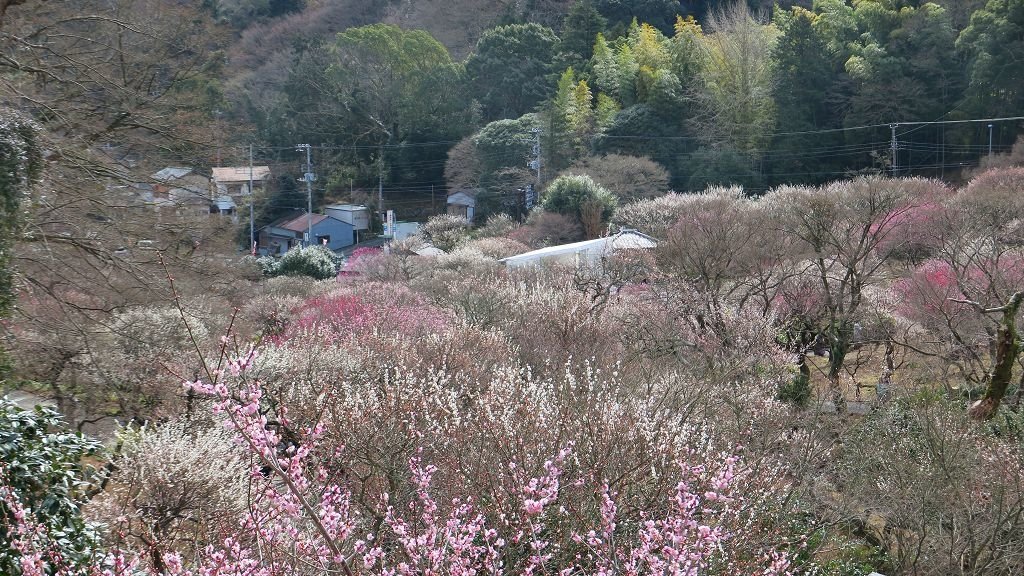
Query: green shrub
{"points": [[42, 472], [580, 197], [797, 390]]}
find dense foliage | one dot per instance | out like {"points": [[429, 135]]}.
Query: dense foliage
{"points": [[581, 198], [716, 94], [43, 482]]}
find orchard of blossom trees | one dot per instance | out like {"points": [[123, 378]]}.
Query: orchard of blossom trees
{"points": [[822, 380], [800, 379]]}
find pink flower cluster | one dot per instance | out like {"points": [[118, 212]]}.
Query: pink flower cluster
{"points": [[935, 286], [27, 537], [343, 315], [460, 544]]}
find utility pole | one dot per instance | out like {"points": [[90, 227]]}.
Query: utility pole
{"points": [[308, 177], [220, 131], [535, 163], [894, 146], [990, 142], [252, 200], [380, 180]]}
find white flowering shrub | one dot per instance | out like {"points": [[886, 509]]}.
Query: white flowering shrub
{"points": [[656, 216], [176, 487], [313, 261], [138, 360], [497, 226], [446, 231], [467, 260], [497, 248]]}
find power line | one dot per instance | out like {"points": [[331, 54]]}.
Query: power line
{"points": [[828, 130], [972, 120]]}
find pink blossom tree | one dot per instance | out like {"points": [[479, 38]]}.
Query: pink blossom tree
{"points": [[845, 233], [971, 294]]}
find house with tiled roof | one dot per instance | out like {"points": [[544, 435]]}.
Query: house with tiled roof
{"points": [[229, 186], [290, 231], [463, 203], [234, 180]]}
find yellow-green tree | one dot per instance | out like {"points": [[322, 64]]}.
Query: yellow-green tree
{"points": [[737, 108]]}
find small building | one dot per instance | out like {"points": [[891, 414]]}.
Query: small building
{"points": [[403, 230], [463, 203], [179, 187], [229, 187], [286, 233], [224, 205], [355, 214], [586, 254], [234, 180], [172, 174]]}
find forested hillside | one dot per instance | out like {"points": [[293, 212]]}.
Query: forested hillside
{"points": [[740, 293], [715, 94]]}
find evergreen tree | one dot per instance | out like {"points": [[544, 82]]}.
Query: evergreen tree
{"points": [[805, 75], [687, 51], [737, 111], [605, 68], [579, 30], [993, 44], [659, 13], [903, 63], [509, 70], [581, 198], [41, 472]]}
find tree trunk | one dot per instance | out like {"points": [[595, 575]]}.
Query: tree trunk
{"points": [[883, 390], [1007, 348], [803, 393], [838, 348]]}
